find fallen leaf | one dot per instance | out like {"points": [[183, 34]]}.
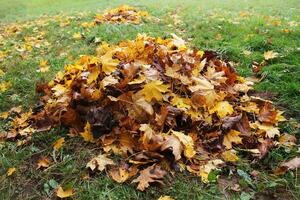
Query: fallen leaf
{"points": [[11, 171], [268, 55], [222, 109], [64, 193], [5, 85], [230, 156], [43, 162], [99, 162], [44, 66], [165, 198], [154, 90], [232, 137], [58, 143], [149, 175]]}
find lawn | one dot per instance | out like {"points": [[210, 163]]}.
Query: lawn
{"points": [[239, 31]]}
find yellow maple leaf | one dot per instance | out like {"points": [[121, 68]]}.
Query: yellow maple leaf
{"points": [[87, 134], [182, 103], [77, 36], [43, 162], [64, 193], [232, 137], [230, 156], [204, 170], [108, 63], [59, 90], [154, 90], [268, 55], [165, 198], [2, 73], [187, 141], [4, 115], [4, 86], [222, 108], [43, 67], [58, 143], [11, 171]]}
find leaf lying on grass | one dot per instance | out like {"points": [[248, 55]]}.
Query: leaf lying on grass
{"points": [[122, 14], [158, 105]]}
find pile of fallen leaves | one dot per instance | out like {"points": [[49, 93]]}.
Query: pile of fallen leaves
{"points": [[122, 14], [161, 106]]}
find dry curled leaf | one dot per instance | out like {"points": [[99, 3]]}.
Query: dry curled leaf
{"points": [[152, 174], [99, 162]]}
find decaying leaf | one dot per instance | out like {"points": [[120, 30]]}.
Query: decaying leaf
{"points": [[43, 162], [152, 174], [268, 55], [99, 162], [289, 165]]}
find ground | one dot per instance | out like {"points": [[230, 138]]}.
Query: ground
{"points": [[240, 31]]}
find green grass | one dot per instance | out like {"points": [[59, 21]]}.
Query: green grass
{"points": [[202, 21]]}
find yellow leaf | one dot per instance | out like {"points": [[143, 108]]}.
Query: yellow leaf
{"points": [[4, 86], [154, 90], [77, 36], [4, 115], [11, 171], [270, 55], [204, 170], [182, 103], [93, 76], [232, 137], [230, 156], [196, 71], [148, 133], [87, 134], [59, 90], [64, 193], [58, 143], [99, 162], [222, 109], [269, 130], [165, 198], [201, 83], [188, 143], [43, 67], [108, 63], [2, 73], [138, 80]]}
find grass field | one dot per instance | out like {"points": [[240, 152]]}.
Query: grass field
{"points": [[240, 31]]}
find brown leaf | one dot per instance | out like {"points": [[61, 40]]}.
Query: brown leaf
{"points": [[172, 144], [149, 175]]}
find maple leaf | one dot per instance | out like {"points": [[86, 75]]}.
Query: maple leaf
{"points": [[165, 198], [123, 173], [2, 73], [43, 162], [181, 103], [222, 108], [77, 36], [5, 85], [149, 175], [100, 162], [154, 90], [172, 143], [232, 137], [204, 170], [87, 134], [268, 55], [289, 165], [187, 141], [11, 171], [108, 63], [44, 66], [59, 90], [64, 193], [230, 156], [58, 143]]}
